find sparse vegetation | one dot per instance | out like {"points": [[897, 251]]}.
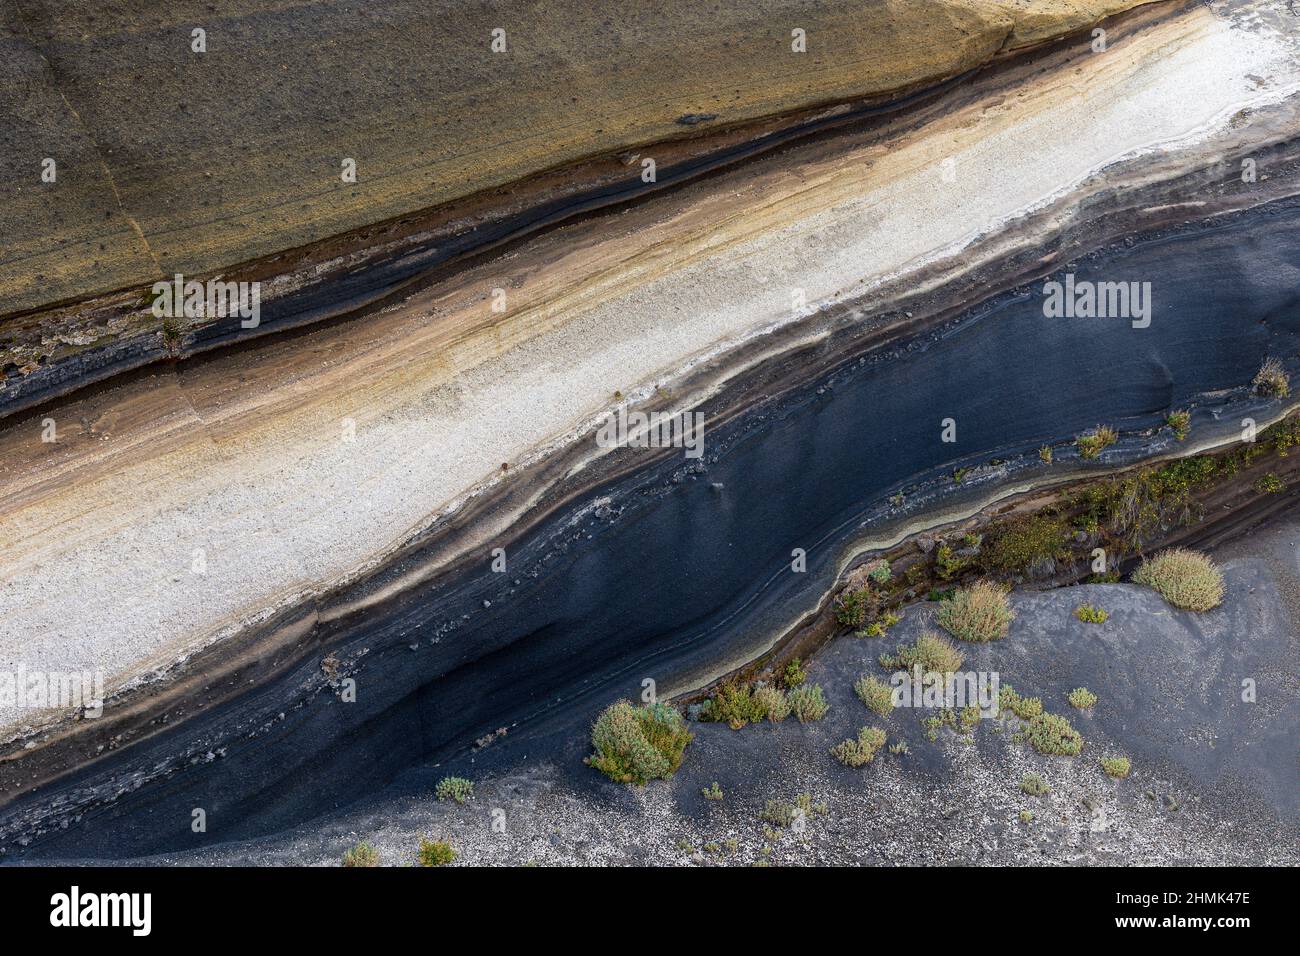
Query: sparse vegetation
{"points": [[1186, 579], [899, 748], [712, 793], [1272, 379], [436, 852], [1091, 444], [1045, 453], [1024, 542], [878, 696], [880, 625], [794, 674], [977, 613], [1117, 767], [363, 854], [930, 651], [808, 703], [1090, 614], [638, 744], [1034, 785], [1026, 816], [1179, 421], [856, 753], [454, 788], [781, 813], [1082, 698]]}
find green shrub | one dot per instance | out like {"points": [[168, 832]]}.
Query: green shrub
{"points": [[878, 697], [781, 813], [1082, 698], [455, 788], [948, 563], [712, 793], [1091, 444], [436, 853], [794, 674], [1026, 708], [851, 608], [1035, 785], [1117, 767], [931, 652], [772, 702], [1091, 615], [1179, 421], [1269, 484], [881, 573], [735, 705], [808, 703], [638, 744], [1186, 579], [1045, 454], [1272, 380], [977, 613], [855, 753], [363, 854], [1050, 734], [1026, 816], [878, 627]]}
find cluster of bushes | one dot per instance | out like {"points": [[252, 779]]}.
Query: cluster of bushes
{"points": [[738, 704], [638, 744], [1050, 734]]}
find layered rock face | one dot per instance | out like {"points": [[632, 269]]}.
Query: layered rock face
{"points": [[178, 151], [239, 508]]}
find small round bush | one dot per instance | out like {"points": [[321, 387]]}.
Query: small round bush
{"points": [[436, 853], [1050, 734], [1117, 767], [855, 753], [878, 696], [454, 788], [808, 703], [771, 700], [977, 613], [638, 744], [363, 854], [1186, 579]]}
